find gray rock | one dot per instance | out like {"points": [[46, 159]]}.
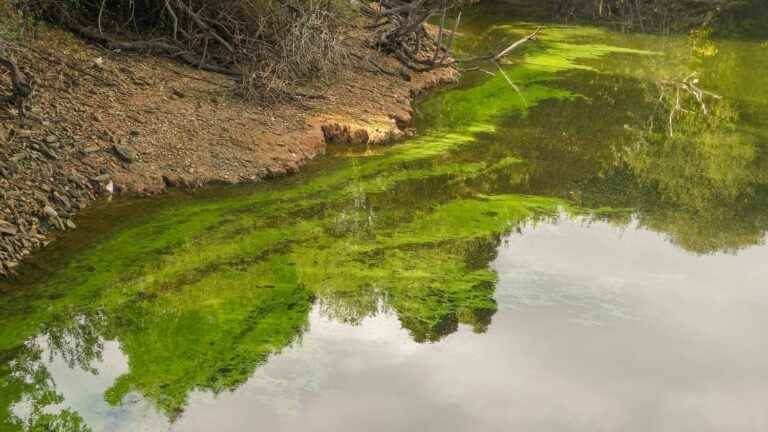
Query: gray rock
{"points": [[125, 153], [22, 133], [50, 139], [56, 221], [47, 152], [50, 212], [8, 228], [62, 199]]}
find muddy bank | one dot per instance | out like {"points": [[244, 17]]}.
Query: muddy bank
{"points": [[107, 123]]}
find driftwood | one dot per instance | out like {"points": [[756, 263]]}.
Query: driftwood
{"points": [[401, 30], [516, 45], [21, 89]]}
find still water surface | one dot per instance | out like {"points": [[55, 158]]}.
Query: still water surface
{"points": [[553, 257]]}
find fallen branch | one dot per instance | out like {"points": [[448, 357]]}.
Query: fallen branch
{"points": [[515, 45]]}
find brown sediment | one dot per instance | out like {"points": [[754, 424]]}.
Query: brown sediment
{"points": [[106, 122]]}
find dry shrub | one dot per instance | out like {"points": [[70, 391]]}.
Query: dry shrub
{"points": [[272, 46], [298, 43]]}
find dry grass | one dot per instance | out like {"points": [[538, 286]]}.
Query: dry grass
{"points": [[302, 47]]}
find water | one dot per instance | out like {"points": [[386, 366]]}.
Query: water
{"points": [[544, 256]]}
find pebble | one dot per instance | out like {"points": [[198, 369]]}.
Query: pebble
{"points": [[125, 153], [50, 212], [8, 228]]}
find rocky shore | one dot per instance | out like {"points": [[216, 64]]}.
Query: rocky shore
{"points": [[107, 123]]}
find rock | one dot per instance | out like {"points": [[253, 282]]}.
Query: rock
{"points": [[134, 132], [102, 183], [56, 222], [178, 93], [126, 154], [50, 212], [62, 199], [8, 228], [51, 139], [47, 152], [69, 224], [92, 148]]}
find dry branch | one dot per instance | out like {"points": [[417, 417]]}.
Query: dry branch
{"points": [[516, 45]]}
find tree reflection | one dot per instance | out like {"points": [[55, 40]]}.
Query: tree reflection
{"points": [[708, 176], [28, 396]]}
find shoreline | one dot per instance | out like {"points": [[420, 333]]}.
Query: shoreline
{"points": [[109, 123]]}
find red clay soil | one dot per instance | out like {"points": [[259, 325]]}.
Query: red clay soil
{"points": [[106, 122]]}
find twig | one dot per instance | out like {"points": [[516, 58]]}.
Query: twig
{"points": [[515, 45], [101, 13]]}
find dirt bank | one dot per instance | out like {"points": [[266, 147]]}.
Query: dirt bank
{"points": [[108, 122]]}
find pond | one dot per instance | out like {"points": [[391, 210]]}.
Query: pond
{"points": [[573, 242]]}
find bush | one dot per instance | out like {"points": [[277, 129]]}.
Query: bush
{"points": [[271, 45]]}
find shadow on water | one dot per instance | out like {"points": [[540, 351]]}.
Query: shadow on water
{"points": [[163, 299]]}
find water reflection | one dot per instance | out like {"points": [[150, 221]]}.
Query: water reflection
{"points": [[411, 279]]}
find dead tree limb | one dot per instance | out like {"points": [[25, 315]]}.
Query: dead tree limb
{"points": [[402, 32], [196, 18], [515, 45]]}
